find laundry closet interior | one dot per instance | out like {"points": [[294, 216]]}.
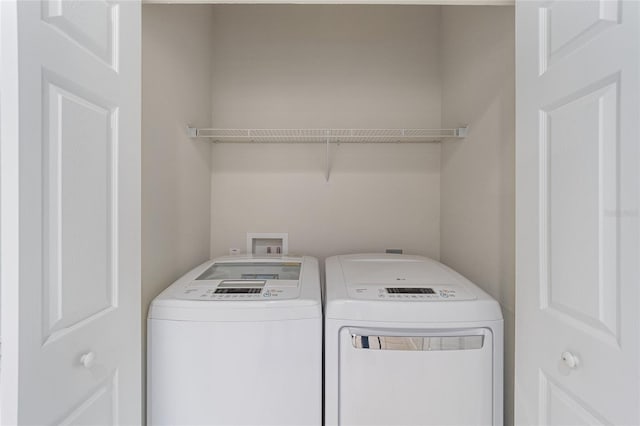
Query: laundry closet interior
{"points": [[302, 70]]}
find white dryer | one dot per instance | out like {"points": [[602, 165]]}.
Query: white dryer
{"points": [[238, 341], [408, 341]]}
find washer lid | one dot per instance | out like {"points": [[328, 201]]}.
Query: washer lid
{"points": [[253, 269], [243, 288], [251, 280]]}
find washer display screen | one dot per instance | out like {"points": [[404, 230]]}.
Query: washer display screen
{"points": [[238, 290], [409, 290]]}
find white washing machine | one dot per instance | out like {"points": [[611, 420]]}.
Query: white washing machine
{"points": [[408, 341], [237, 341]]}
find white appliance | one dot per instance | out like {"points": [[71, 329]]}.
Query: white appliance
{"points": [[408, 341], [238, 341]]}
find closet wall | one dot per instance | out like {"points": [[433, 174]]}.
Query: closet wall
{"points": [[478, 175], [176, 90], [289, 66]]}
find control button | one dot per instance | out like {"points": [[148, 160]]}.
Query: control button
{"points": [[266, 294]]}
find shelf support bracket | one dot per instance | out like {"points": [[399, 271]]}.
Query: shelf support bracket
{"points": [[328, 159], [461, 132], [192, 132]]}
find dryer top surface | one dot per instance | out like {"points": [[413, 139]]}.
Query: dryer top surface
{"points": [[403, 288]]}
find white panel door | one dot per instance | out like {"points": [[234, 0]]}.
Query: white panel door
{"points": [[578, 182], [70, 212]]}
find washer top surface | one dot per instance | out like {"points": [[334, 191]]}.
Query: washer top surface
{"points": [[243, 288], [391, 287]]}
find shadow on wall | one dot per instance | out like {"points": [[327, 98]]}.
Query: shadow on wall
{"points": [[478, 174]]}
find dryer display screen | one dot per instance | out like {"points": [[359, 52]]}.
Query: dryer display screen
{"points": [[407, 290]]}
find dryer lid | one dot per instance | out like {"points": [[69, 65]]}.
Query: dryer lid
{"points": [[402, 288], [395, 271]]}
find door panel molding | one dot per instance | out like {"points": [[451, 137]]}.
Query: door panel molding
{"points": [[592, 111], [555, 45], [103, 399], [91, 25], [70, 113], [555, 401]]}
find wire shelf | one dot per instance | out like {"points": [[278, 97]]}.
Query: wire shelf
{"points": [[327, 135]]}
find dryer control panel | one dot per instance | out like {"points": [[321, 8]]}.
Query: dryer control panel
{"points": [[409, 293]]}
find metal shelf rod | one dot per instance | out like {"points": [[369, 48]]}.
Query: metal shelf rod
{"points": [[326, 135]]}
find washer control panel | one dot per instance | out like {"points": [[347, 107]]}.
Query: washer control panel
{"points": [[410, 293], [239, 290]]}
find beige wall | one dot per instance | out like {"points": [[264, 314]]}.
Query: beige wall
{"points": [[327, 66], [477, 204], [176, 70], [283, 66], [378, 197]]}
